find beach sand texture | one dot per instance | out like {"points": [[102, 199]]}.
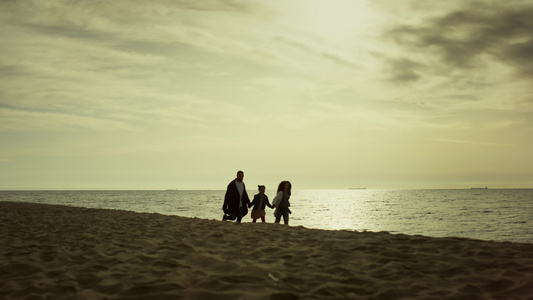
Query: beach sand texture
{"points": [[60, 252]]}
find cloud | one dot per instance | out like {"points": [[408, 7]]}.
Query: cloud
{"points": [[107, 65], [15, 119], [403, 69], [317, 52], [466, 37], [468, 142], [497, 124]]}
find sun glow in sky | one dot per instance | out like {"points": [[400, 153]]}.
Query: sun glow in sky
{"points": [[327, 94]]}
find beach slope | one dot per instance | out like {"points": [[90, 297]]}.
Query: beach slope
{"points": [[60, 252]]}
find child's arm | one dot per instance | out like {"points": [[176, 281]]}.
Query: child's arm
{"points": [[268, 202], [252, 203]]}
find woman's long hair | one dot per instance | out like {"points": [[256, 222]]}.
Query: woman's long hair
{"points": [[280, 187]]}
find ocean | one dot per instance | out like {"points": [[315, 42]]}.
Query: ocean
{"points": [[493, 214]]}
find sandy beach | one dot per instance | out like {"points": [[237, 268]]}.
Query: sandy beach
{"points": [[60, 252]]}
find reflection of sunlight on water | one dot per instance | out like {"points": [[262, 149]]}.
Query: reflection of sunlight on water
{"points": [[339, 209], [490, 214]]}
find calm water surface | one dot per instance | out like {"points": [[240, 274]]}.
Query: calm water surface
{"points": [[501, 215]]}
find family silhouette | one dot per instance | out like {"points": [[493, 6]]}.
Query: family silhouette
{"points": [[237, 202]]}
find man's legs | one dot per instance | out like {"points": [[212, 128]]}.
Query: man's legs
{"points": [[239, 215], [263, 219]]}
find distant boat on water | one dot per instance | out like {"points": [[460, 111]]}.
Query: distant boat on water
{"points": [[483, 188]]}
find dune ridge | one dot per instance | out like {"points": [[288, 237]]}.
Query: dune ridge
{"points": [[61, 252]]}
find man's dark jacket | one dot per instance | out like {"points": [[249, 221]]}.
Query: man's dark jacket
{"points": [[232, 199]]}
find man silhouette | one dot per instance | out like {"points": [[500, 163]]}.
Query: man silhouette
{"points": [[236, 199]]}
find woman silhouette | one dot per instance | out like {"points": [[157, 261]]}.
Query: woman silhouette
{"points": [[281, 202]]}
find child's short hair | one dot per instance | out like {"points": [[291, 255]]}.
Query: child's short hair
{"points": [[260, 186]]}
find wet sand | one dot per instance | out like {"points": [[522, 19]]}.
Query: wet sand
{"points": [[60, 252]]}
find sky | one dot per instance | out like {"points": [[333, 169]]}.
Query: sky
{"points": [[329, 94]]}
